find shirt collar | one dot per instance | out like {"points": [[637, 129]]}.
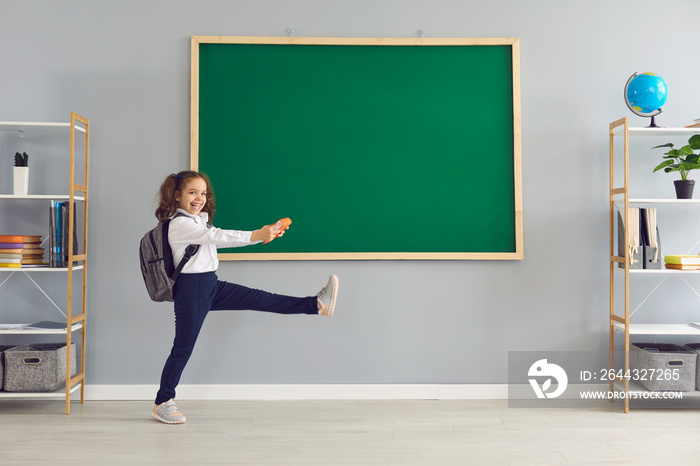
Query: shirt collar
{"points": [[204, 216]]}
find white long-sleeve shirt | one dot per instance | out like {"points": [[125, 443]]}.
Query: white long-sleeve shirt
{"points": [[192, 229]]}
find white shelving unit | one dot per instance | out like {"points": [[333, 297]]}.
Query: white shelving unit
{"points": [[620, 323], [75, 321]]}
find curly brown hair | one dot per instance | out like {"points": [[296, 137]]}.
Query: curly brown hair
{"points": [[174, 184]]}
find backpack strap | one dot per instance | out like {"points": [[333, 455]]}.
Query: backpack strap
{"points": [[190, 251]]}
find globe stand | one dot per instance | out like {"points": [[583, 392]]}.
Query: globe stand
{"points": [[653, 123]]}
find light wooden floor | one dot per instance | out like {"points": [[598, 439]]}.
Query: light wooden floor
{"points": [[475, 432]]}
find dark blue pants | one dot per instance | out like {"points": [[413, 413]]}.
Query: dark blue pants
{"points": [[195, 295]]}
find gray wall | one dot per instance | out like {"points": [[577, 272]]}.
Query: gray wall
{"points": [[126, 66]]}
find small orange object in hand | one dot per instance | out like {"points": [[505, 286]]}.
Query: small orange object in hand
{"points": [[281, 225]]}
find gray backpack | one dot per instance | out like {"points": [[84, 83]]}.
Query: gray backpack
{"points": [[159, 272]]}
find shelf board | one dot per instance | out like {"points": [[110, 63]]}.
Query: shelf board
{"points": [[74, 328], [58, 197], [663, 201], [58, 393], [658, 329], [656, 131], [663, 271], [650, 200], [39, 269], [26, 126]]}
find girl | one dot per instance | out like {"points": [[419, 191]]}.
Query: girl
{"points": [[197, 290]]}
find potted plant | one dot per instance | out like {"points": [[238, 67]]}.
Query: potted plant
{"points": [[681, 160]]}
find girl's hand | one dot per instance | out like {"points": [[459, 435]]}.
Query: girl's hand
{"points": [[266, 233]]}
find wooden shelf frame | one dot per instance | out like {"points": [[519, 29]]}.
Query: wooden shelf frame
{"points": [[620, 200], [76, 321]]}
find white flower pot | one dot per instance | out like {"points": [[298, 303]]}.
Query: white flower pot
{"points": [[20, 177]]}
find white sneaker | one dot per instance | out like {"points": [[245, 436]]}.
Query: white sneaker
{"points": [[327, 296], [168, 413]]}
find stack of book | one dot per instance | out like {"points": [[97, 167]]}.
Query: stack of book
{"points": [[695, 125], [20, 250], [58, 234], [682, 262]]}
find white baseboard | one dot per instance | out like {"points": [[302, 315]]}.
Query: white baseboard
{"points": [[306, 392]]}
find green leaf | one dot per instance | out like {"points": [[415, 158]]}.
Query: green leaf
{"points": [[685, 150], [663, 145], [694, 141], [663, 164]]}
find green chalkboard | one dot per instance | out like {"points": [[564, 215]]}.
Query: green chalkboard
{"points": [[394, 150]]}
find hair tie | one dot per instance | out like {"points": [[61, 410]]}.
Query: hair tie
{"points": [[176, 176]]}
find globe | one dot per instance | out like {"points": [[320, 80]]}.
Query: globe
{"points": [[645, 94]]}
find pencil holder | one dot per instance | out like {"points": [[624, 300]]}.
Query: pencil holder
{"points": [[20, 178]]}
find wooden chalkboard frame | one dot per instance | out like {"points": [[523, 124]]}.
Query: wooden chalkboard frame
{"points": [[517, 254]]}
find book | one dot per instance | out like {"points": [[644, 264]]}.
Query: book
{"points": [[22, 258], [11, 326], [20, 239], [11, 260], [55, 234], [39, 260], [9, 265], [682, 267], [46, 325], [23, 252], [20, 246], [682, 259]]}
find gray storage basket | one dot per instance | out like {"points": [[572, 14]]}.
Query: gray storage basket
{"points": [[664, 358], [3, 348], [37, 368], [695, 347]]}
